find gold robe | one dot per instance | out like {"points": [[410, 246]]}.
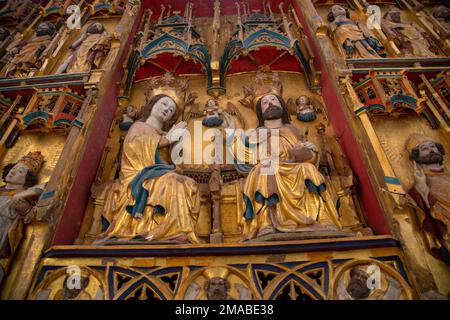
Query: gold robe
{"points": [[282, 201], [437, 232], [344, 30], [176, 195], [11, 223], [26, 57], [81, 59]]}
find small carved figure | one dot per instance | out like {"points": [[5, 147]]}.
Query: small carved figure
{"points": [[128, 118], [411, 39], [305, 109], [26, 55], [17, 198], [74, 291], [350, 37], [431, 193], [89, 50], [213, 114]]}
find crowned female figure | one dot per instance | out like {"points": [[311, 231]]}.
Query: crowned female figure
{"points": [[150, 201], [17, 198]]}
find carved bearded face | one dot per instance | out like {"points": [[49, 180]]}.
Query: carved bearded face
{"points": [[17, 174], [164, 109], [429, 153], [216, 288], [271, 107], [357, 286]]}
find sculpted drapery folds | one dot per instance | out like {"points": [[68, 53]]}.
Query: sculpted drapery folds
{"points": [[349, 36], [293, 197], [431, 193], [88, 50], [150, 201], [411, 39], [17, 197], [25, 56]]}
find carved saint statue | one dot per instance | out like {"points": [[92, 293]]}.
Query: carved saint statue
{"points": [[285, 193], [26, 55], [350, 37], [150, 201], [88, 50], [431, 193], [411, 39], [17, 197]]}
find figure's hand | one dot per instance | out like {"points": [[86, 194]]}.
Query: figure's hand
{"points": [[311, 146], [421, 183], [303, 151], [29, 217], [176, 132], [20, 205]]}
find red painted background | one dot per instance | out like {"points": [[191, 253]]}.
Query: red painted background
{"points": [[73, 214]]}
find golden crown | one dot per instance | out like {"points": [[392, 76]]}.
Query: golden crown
{"points": [[169, 86], [264, 83], [216, 272], [416, 139], [33, 160]]}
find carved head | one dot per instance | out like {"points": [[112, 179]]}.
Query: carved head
{"points": [[45, 28], [428, 152], [96, 27], [272, 107], [4, 33], [442, 14], [70, 290], [393, 14], [357, 286], [337, 11], [161, 107], [217, 288], [20, 174]]}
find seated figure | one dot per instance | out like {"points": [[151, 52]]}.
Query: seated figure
{"points": [[284, 192], [150, 201]]}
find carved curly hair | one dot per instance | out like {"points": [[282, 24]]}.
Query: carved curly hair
{"points": [[30, 179], [147, 110]]}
